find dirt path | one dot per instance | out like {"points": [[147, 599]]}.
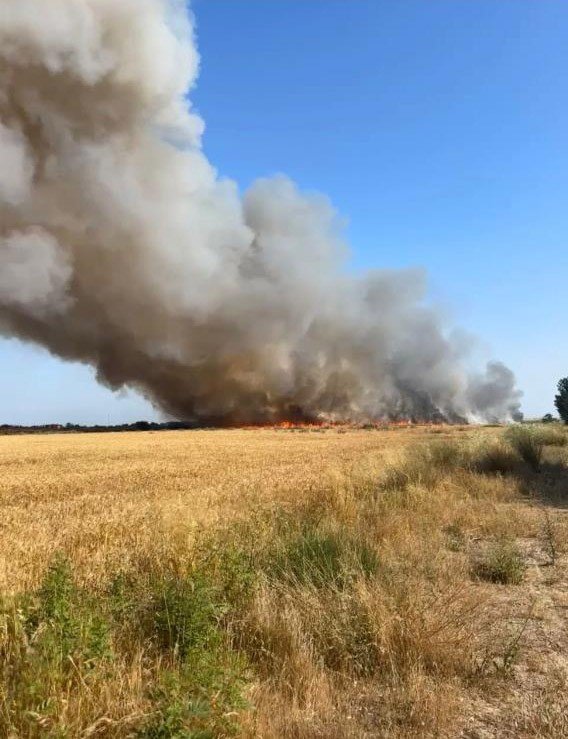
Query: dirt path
{"points": [[533, 699]]}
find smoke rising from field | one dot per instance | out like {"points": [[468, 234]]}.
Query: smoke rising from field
{"points": [[120, 246]]}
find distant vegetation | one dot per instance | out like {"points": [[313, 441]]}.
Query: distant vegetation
{"points": [[561, 399], [79, 428]]}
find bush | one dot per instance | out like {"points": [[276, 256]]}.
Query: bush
{"points": [[64, 622], [183, 615], [225, 561], [200, 700], [427, 465], [55, 642], [64, 640]]}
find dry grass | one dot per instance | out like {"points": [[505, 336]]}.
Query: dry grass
{"points": [[281, 584], [102, 498]]}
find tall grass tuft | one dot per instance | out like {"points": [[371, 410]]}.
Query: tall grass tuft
{"points": [[551, 435], [493, 457], [501, 562], [322, 558], [423, 465], [527, 443]]}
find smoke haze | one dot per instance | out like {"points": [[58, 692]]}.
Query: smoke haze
{"points": [[120, 246]]}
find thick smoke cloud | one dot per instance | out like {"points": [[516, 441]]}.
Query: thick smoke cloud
{"points": [[120, 246]]}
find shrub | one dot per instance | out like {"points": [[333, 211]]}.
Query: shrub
{"points": [[225, 561], [201, 700], [65, 622], [56, 642], [422, 465], [184, 613], [201, 692], [343, 634], [427, 465], [64, 643]]}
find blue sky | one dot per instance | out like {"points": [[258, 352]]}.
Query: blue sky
{"points": [[438, 128]]}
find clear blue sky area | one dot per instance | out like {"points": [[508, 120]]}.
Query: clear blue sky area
{"points": [[438, 128]]}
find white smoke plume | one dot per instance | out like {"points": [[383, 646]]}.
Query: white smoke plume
{"points": [[120, 247]]}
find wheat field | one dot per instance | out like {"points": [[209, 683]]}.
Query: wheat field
{"points": [[98, 497], [285, 583]]}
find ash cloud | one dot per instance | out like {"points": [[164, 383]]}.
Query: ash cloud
{"points": [[120, 246]]}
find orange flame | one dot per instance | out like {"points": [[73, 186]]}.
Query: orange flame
{"points": [[320, 424]]}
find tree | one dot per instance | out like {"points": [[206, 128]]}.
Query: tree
{"points": [[548, 418], [561, 400]]}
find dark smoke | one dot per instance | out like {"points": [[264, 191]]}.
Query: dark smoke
{"points": [[121, 248]]}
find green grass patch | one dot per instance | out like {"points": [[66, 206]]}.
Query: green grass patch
{"points": [[321, 558], [501, 563]]}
